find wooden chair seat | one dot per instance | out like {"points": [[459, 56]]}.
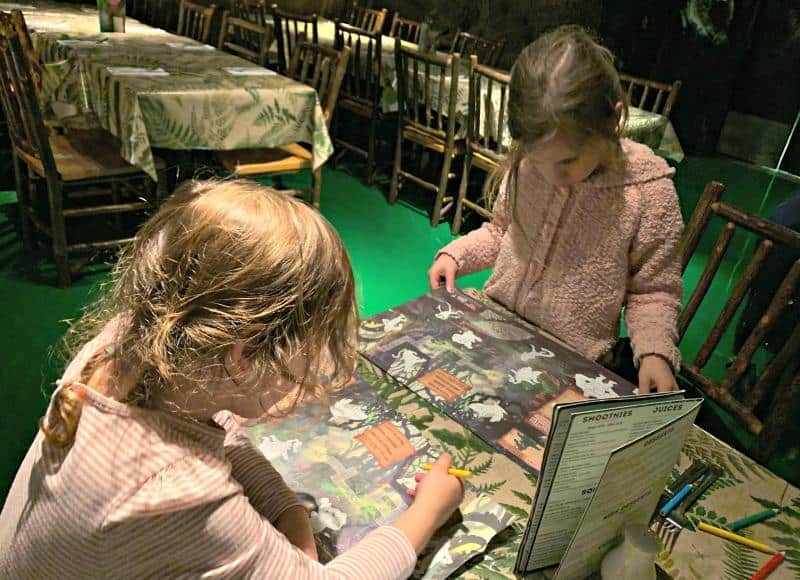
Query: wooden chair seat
{"points": [[486, 162], [321, 68], [432, 142], [286, 159], [356, 106], [83, 155]]}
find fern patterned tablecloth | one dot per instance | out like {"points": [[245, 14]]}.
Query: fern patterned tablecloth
{"points": [[161, 90], [745, 488]]}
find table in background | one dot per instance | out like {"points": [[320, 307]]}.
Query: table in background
{"points": [[196, 105], [744, 489], [652, 129]]}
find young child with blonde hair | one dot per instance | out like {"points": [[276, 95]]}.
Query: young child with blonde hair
{"points": [[585, 223], [232, 299]]}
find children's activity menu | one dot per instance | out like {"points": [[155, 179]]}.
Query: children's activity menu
{"points": [[356, 457], [485, 369], [584, 436]]}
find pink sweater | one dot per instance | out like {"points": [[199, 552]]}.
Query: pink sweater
{"points": [[142, 494], [574, 256]]}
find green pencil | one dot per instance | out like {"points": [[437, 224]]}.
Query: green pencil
{"points": [[755, 518]]}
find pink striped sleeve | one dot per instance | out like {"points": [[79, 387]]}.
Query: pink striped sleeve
{"points": [[229, 538], [262, 484]]}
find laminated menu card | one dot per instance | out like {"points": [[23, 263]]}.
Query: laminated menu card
{"points": [[605, 466]]}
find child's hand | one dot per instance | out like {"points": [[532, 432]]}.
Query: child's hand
{"points": [[444, 267], [655, 372], [438, 492], [435, 499]]}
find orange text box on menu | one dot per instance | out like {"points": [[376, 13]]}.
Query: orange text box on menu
{"points": [[386, 443], [447, 386]]}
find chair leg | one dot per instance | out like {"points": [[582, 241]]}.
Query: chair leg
{"points": [[443, 180], [398, 153], [373, 125], [59, 238], [462, 194], [316, 187], [115, 198], [20, 170]]}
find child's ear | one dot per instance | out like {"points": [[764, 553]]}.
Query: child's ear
{"points": [[618, 117]]}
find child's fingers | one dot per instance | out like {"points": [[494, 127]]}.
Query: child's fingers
{"points": [[411, 492], [433, 278], [418, 477], [443, 463], [450, 281]]}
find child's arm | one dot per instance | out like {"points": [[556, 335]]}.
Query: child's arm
{"points": [[262, 484], [478, 249], [654, 284]]}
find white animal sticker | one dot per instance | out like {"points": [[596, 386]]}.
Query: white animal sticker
{"points": [[448, 314], [346, 410], [598, 387], [537, 353], [406, 363], [392, 324], [466, 338], [273, 448], [491, 410], [327, 517], [524, 375]]}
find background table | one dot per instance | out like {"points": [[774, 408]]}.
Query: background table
{"points": [[197, 105], [744, 489], [652, 129]]}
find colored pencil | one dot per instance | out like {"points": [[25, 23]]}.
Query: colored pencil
{"points": [[676, 499], [451, 471], [754, 519], [767, 568], [735, 538]]}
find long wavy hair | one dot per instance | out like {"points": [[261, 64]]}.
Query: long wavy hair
{"points": [[563, 81], [221, 263]]}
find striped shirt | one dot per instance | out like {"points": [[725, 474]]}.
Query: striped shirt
{"points": [[142, 493]]}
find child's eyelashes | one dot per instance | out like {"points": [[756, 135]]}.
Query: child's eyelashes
{"points": [[568, 161]]}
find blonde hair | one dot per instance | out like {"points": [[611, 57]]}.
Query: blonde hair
{"points": [[563, 81], [221, 263]]}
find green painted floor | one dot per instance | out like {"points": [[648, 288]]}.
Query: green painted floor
{"points": [[391, 248]]}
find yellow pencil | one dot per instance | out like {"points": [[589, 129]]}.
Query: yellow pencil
{"points": [[451, 471], [735, 538]]}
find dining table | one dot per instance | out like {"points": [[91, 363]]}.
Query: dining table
{"points": [[744, 488], [153, 89]]}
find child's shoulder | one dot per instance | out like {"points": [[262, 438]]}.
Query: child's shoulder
{"points": [[642, 165]]}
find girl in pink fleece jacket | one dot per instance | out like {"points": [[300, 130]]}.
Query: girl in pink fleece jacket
{"points": [[585, 223]]}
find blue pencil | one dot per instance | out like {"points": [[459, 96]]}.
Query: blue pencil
{"points": [[677, 498]]}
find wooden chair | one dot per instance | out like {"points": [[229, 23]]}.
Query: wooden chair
{"points": [[777, 387], [361, 88], [322, 68], [290, 30], [369, 19], [639, 89], [244, 38], [159, 13], [427, 117], [486, 127], [75, 168], [405, 28], [487, 51], [194, 20]]}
